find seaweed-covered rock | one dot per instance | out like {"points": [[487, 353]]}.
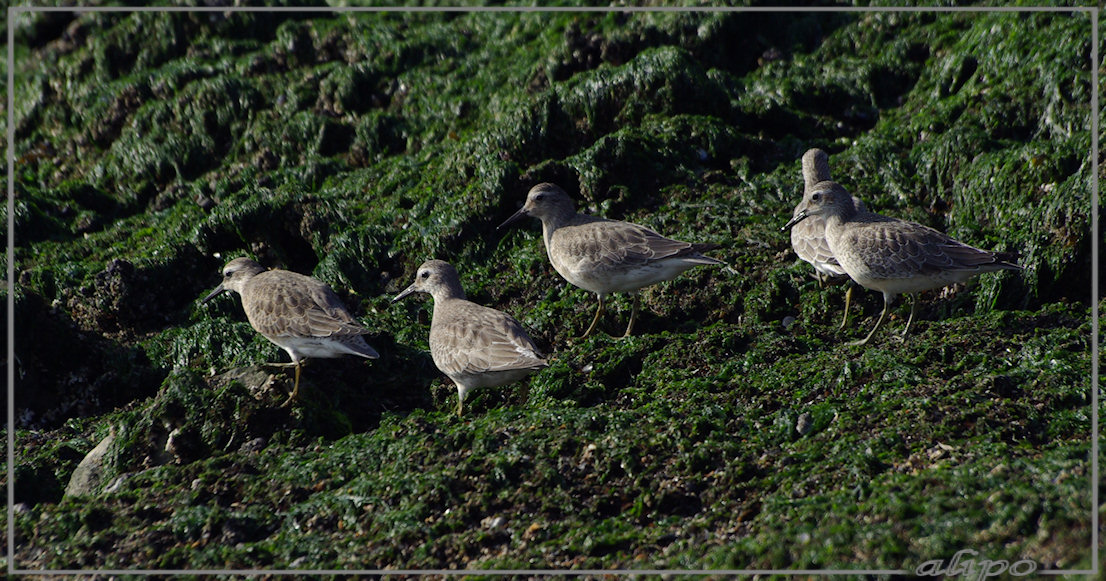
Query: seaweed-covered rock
{"points": [[734, 430]]}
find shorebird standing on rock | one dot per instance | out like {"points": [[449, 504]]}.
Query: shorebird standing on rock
{"points": [[300, 314], [475, 346], [890, 255], [606, 256], [808, 238]]}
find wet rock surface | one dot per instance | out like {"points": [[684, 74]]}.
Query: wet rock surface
{"points": [[734, 430]]}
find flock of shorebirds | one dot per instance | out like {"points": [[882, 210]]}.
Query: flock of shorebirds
{"points": [[477, 346]]}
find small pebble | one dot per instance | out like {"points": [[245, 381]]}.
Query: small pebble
{"points": [[253, 445], [804, 424], [493, 522]]}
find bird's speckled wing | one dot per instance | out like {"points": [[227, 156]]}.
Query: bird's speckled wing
{"points": [[477, 339], [292, 305], [900, 249], [616, 244], [808, 239]]}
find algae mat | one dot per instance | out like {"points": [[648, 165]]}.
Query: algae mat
{"points": [[734, 430]]}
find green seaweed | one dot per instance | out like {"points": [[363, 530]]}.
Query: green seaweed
{"points": [[735, 429]]}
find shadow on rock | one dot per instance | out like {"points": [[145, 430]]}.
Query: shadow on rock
{"points": [[63, 372]]}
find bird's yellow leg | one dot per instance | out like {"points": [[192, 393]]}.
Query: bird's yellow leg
{"points": [[598, 311]]}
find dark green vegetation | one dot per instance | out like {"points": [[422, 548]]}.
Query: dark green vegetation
{"points": [[153, 148]]}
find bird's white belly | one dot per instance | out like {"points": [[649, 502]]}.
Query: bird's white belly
{"points": [[828, 268], [905, 281], [307, 347], [614, 279]]}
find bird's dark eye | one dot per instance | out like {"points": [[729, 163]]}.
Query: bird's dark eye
{"points": [[425, 274], [815, 197], [539, 197]]}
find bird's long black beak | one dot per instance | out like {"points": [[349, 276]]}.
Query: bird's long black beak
{"points": [[520, 214], [802, 215], [405, 292], [218, 290]]}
